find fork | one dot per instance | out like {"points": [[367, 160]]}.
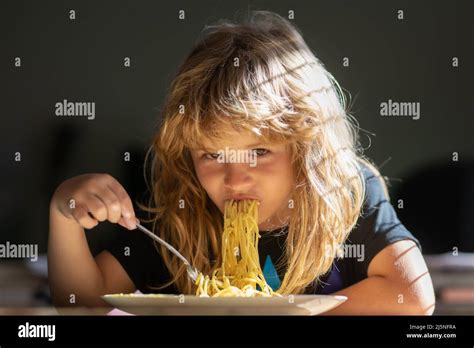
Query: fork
{"points": [[191, 270]]}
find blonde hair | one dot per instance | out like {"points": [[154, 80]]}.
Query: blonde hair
{"points": [[259, 76]]}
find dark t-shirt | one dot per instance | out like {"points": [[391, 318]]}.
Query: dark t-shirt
{"points": [[376, 228]]}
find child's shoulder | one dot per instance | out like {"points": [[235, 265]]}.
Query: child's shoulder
{"points": [[376, 192]]}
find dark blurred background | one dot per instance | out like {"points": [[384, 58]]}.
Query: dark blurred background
{"points": [[406, 60]]}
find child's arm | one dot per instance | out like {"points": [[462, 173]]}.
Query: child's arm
{"points": [[75, 277], [398, 283]]}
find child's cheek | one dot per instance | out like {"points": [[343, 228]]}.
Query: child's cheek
{"points": [[270, 179], [210, 169], [273, 164], [276, 172], [209, 174]]}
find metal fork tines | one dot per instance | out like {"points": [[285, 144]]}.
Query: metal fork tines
{"points": [[191, 270]]}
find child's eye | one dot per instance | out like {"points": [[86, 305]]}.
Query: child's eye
{"points": [[210, 156], [261, 152], [214, 156]]}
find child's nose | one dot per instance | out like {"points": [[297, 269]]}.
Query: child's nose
{"points": [[237, 177]]}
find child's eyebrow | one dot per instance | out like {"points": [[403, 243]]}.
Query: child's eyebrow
{"points": [[247, 147], [253, 145]]}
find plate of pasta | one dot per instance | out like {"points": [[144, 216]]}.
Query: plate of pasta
{"points": [[163, 304], [237, 286]]}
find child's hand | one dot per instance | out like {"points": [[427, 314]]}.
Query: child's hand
{"points": [[90, 198]]}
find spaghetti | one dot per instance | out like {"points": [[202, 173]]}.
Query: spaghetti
{"points": [[240, 273]]}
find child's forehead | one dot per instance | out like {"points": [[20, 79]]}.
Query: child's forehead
{"points": [[236, 139], [226, 134]]}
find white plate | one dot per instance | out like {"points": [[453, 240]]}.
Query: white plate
{"points": [[157, 304]]}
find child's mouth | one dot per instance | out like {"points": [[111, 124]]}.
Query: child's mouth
{"points": [[239, 198]]}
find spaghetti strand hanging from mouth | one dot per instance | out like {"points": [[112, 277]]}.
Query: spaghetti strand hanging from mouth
{"points": [[240, 274]]}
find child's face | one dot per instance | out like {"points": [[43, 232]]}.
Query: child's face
{"points": [[227, 169]]}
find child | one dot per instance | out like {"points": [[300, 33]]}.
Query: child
{"points": [[325, 218]]}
